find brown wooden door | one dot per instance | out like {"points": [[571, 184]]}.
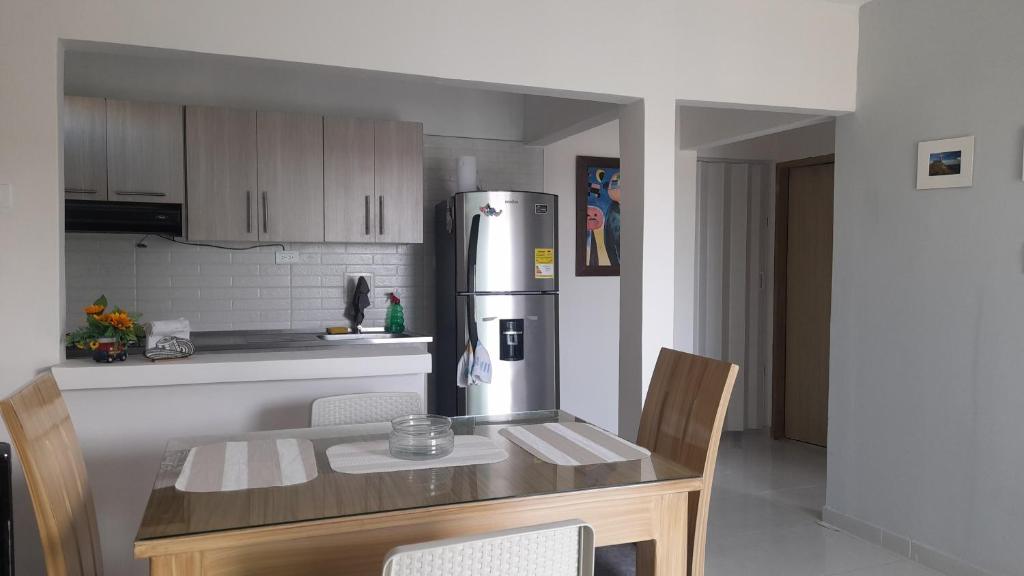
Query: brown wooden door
{"points": [[808, 302]]}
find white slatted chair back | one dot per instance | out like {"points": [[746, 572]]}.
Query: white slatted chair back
{"points": [[559, 549], [364, 408]]}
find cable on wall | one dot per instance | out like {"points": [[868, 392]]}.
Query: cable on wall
{"points": [[142, 243]]}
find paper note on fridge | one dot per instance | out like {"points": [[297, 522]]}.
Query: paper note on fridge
{"points": [[544, 263]]}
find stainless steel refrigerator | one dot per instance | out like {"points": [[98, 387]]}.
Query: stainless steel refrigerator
{"points": [[497, 285]]}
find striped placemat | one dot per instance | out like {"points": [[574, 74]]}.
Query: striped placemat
{"points": [[227, 466], [573, 443], [373, 456]]}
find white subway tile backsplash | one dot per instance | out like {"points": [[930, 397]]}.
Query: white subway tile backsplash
{"points": [[230, 269], [196, 281], [261, 304], [196, 257], [246, 289], [252, 257], [275, 292], [275, 270], [306, 280], [230, 293], [262, 281], [275, 316], [347, 258], [306, 304], [307, 292]]}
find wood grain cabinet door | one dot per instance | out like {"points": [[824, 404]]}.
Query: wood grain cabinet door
{"points": [[291, 177], [398, 181], [145, 152], [349, 202], [221, 162], [85, 148]]}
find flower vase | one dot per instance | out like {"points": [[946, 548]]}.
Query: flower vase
{"points": [[109, 349]]}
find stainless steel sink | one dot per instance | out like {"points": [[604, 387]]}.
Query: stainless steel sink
{"points": [[371, 336]]}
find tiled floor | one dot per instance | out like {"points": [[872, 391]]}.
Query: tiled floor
{"points": [[765, 508]]}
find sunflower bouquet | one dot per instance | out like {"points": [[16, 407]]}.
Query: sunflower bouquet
{"points": [[106, 333]]}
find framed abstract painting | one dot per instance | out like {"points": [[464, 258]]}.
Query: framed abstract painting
{"points": [[598, 216]]}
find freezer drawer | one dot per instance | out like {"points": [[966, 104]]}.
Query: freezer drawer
{"points": [[520, 333], [515, 242]]}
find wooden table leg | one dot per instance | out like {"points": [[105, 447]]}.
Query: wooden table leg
{"points": [[666, 554], [185, 564]]}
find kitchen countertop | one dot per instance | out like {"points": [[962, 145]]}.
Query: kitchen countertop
{"points": [[339, 361]]}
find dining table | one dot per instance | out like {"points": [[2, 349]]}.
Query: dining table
{"points": [[336, 523]]}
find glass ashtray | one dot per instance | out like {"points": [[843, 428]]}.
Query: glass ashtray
{"points": [[421, 437]]}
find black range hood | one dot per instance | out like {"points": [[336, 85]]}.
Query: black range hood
{"points": [[128, 217]]}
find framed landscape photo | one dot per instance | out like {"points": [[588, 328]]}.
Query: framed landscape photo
{"points": [[598, 216], [945, 163]]}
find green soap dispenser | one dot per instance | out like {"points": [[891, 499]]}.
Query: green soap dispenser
{"points": [[394, 322]]}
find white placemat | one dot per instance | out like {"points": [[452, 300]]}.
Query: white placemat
{"points": [[227, 466], [573, 443], [373, 456]]}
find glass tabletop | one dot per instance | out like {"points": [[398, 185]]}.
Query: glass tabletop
{"points": [[171, 512]]}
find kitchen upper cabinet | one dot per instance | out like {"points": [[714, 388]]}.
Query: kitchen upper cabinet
{"points": [[85, 148], [222, 187], [349, 203], [145, 152], [291, 176], [398, 181]]}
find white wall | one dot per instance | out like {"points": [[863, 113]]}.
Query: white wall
{"points": [[588, 306], [547, 119], [188, 78], [649, 51], [928, 300], [815, 140], [703, 127]]}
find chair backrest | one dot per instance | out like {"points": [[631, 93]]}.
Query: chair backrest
{"points": [[682, 420], [558, 549], [45, 439], [364, 408]]}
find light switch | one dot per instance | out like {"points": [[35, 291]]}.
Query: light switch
{"points": [[6, 198]]}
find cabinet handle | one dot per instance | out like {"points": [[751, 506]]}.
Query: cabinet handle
{"points": [[81, 191], [366, 214], [248, 211], [380, 216], [126, 193], [266, 213]]}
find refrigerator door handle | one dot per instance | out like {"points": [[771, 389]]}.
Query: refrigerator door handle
{"points": [[471, 327], [474, 240]]}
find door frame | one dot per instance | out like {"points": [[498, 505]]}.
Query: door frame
{"points": [[782, 172]]}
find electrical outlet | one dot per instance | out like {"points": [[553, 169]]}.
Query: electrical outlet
{"points": [[286, 257]]}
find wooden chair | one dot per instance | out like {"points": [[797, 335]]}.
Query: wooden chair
{"points": [[41, 430], [682, 420]]}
